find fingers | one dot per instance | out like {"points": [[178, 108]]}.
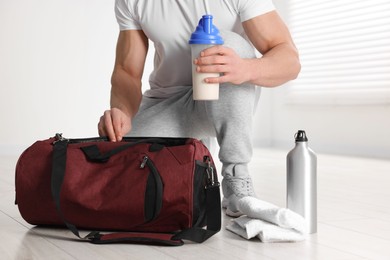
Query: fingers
{"points": [[108, 126], [114, 124], [216, 50], [221, 79], [214, 64], [224, 61], [210, 60], [101, 130], [220, 68], [117, 125], [216, 59]]}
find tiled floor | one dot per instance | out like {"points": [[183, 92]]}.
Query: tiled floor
{"points": [[353, 211]]}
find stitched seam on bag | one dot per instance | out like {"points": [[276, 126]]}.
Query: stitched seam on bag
{"points": [[174, 156]]}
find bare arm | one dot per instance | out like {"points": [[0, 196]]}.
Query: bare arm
{"points": [[126, 78], [280, 61], [126, 90], [270, 36]]}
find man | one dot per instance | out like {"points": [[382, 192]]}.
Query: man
{"points": [[167, 108]]}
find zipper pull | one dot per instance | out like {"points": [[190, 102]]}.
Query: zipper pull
{"points": [[209, 170], [212, 180], [59, 138], [146, 158]]}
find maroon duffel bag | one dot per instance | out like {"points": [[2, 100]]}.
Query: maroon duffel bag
{"points": [[148, 190]]}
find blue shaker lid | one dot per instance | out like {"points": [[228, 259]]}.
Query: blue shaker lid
{"points": [[206, 32]]}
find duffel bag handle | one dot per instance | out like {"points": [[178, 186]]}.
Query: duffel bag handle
{"points": [[136, 237], [199, 235], [93, 154]]}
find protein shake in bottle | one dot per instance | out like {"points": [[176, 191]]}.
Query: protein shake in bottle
{"points": [[206, 35]]}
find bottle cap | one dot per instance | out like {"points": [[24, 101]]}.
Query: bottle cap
{"points": [[300, 136], [206, 32]]}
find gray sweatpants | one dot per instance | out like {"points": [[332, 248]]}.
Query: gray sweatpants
{"points": [[229, 119]]}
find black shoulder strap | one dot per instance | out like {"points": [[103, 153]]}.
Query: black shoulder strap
{"points": [[196, 234]]}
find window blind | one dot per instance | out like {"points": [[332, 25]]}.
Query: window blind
{"points": [[344, 49]]}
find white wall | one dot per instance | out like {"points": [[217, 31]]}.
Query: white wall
{"points": [[56, 59], [362, 130]]}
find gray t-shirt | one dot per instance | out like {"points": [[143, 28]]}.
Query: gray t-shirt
{"points": [[169, 24]]}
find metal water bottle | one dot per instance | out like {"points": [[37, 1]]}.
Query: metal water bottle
{"points": [[302, 181]]}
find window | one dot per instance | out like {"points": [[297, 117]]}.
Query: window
{"points": [[344, 48]]}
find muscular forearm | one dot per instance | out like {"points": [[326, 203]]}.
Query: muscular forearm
{"points": [[131, 53], [277, 66], [126, 92]]}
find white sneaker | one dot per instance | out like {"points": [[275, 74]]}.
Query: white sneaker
{"points": [[233, 189]]}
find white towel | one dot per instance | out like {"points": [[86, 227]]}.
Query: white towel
{"points": [[258, 209], [268, 222], [268, 233]]}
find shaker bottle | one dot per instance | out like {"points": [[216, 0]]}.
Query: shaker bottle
{"points": [[302, 181], [205, 36]]}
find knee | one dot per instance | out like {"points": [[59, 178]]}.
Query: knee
{"points": [[235, 104], [238, 98]]}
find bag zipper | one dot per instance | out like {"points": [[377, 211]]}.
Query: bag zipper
{"points": [[144, 161], [153, 206], [59, 138]]}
